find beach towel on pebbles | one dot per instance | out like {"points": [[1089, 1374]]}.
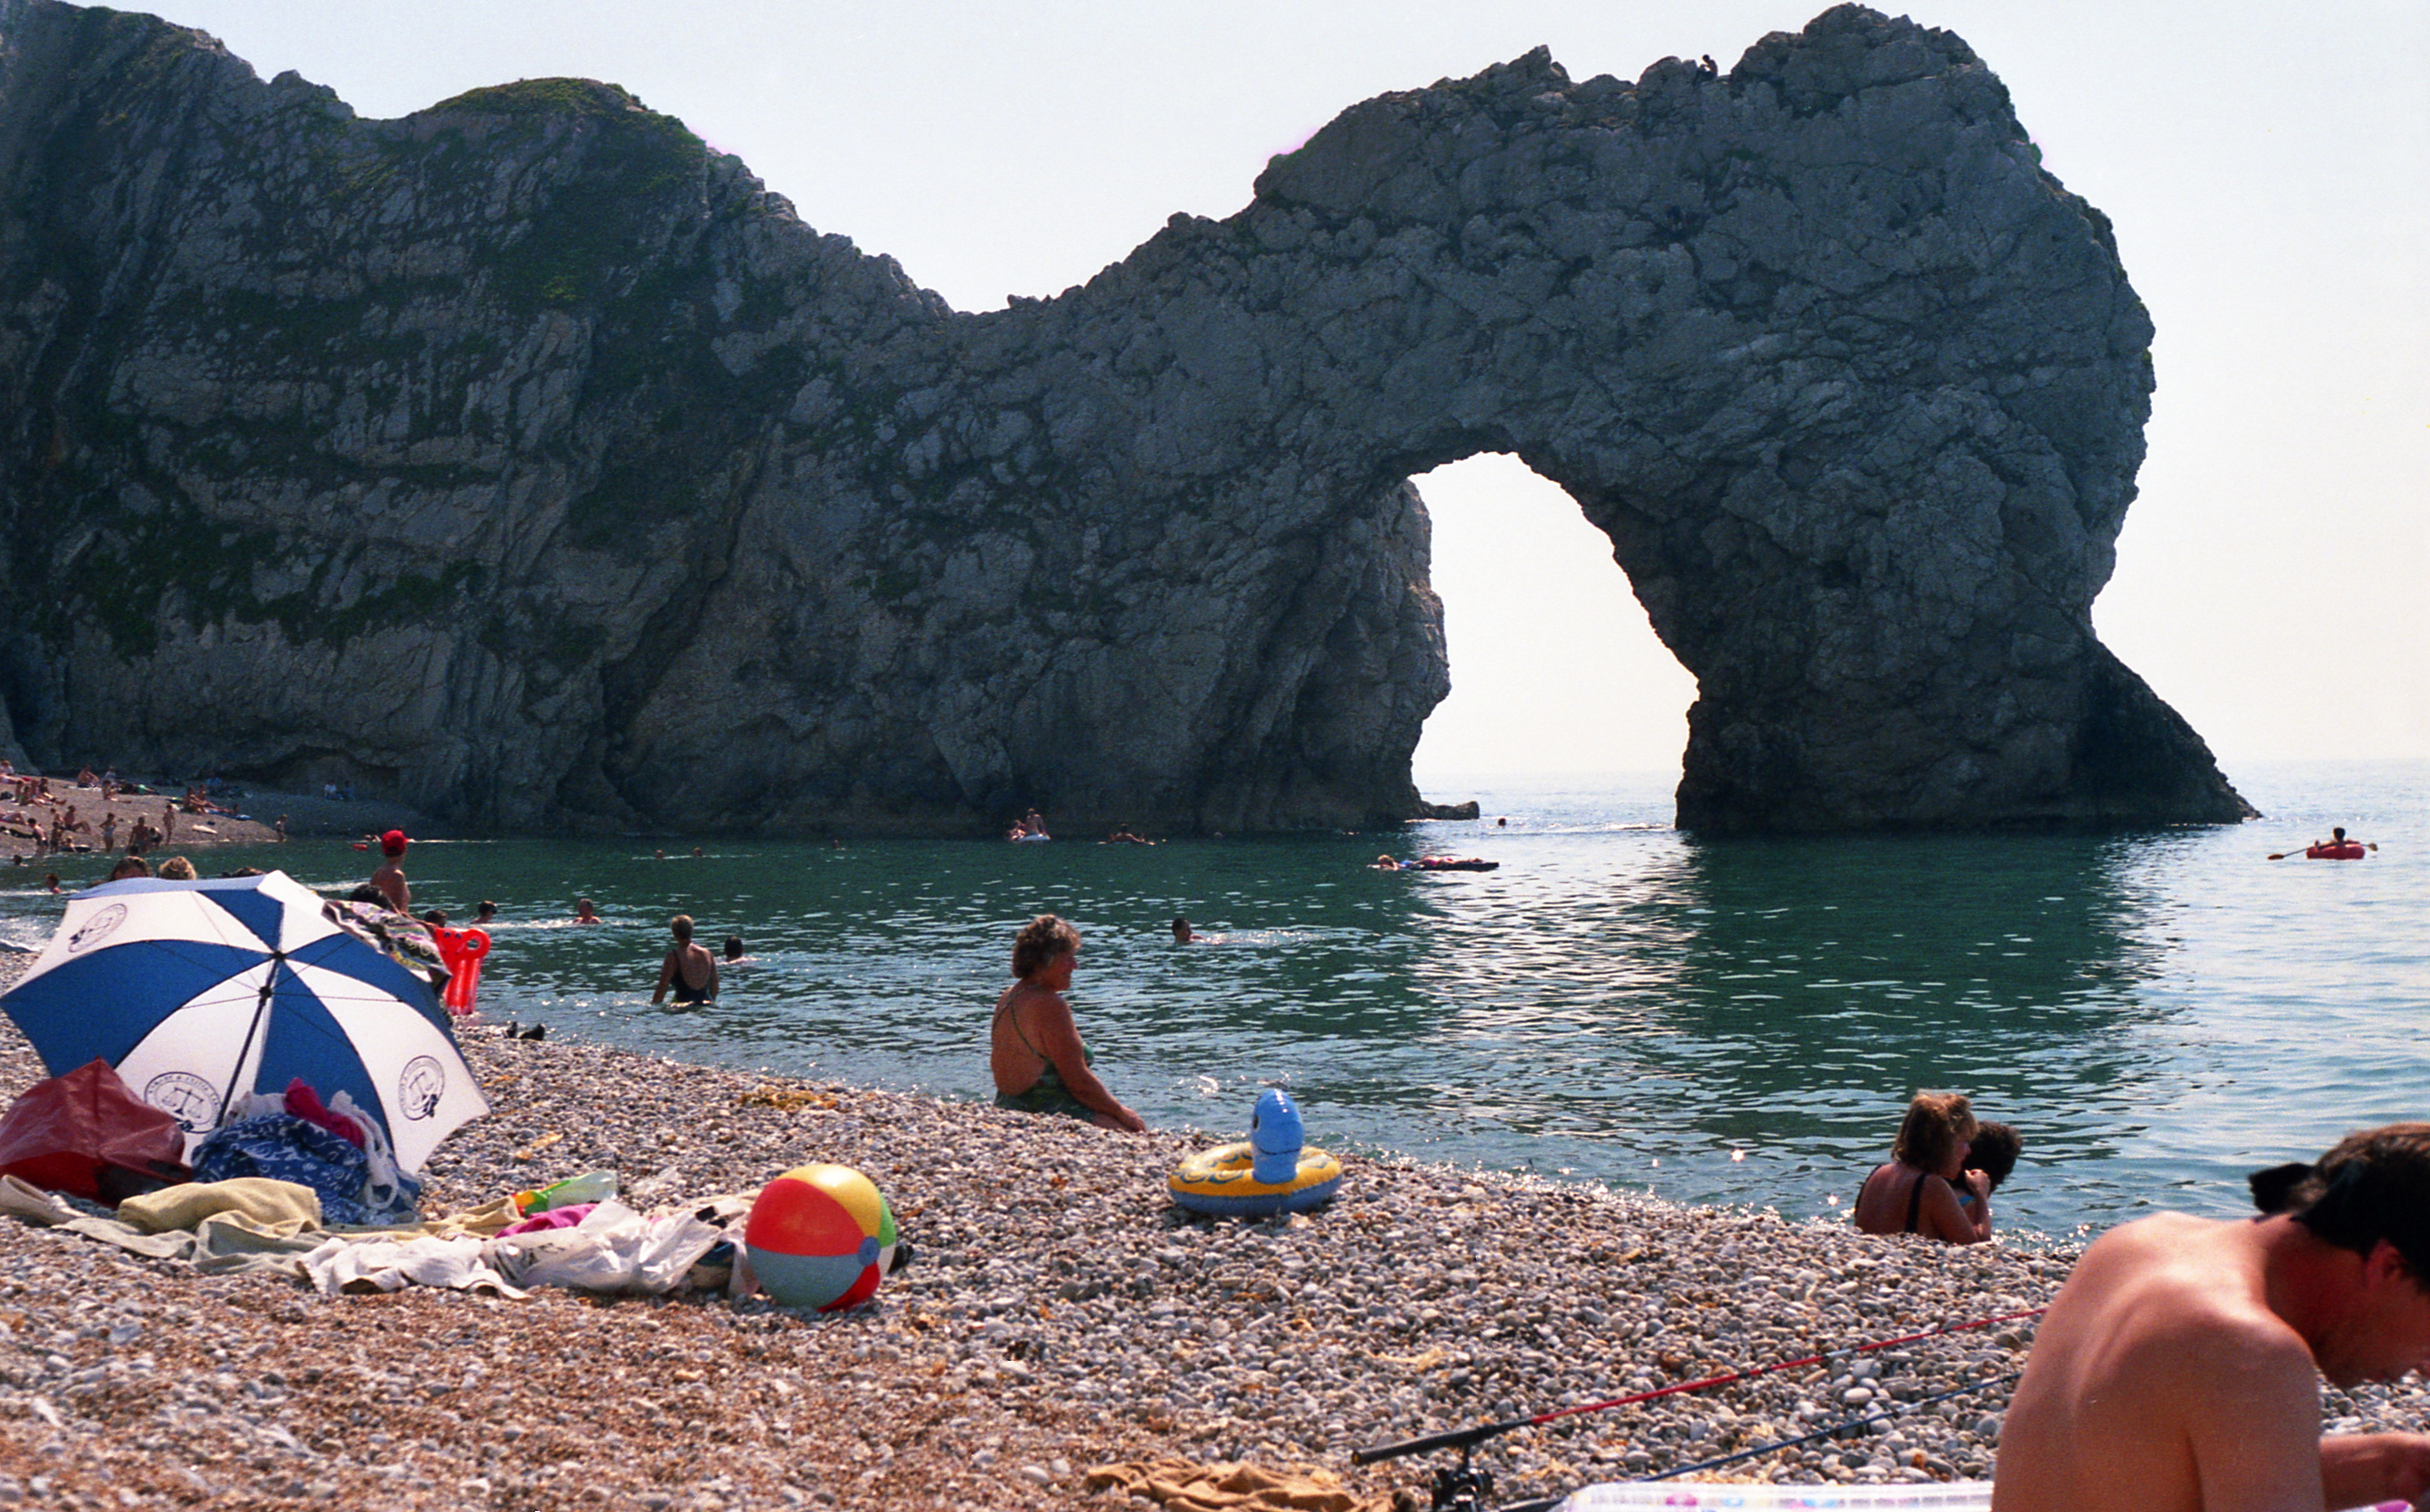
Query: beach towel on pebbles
{"points": [[1181, 1485], [278, 1206], [613, 1249], [386, 1262]]}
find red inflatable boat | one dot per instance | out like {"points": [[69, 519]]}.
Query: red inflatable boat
{"points": [[2350, 851]]}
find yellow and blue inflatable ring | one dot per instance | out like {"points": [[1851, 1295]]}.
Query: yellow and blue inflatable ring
{"points": [[1219, 1181]]}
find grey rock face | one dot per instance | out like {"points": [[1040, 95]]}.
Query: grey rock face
{"points": [[525, 460]]}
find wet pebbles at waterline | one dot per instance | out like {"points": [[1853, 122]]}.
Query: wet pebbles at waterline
{"points": [[1061, 1314]]}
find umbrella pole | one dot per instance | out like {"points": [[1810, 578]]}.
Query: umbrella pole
{"points": [[253, 1032]]}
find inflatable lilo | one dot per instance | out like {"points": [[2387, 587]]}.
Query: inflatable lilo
{"points": [[1271, 1172]]}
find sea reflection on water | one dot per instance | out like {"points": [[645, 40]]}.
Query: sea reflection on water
{"points": [[1737, 1021]]}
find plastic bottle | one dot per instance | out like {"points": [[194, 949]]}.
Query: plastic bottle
{"points": [[590, 1186]]}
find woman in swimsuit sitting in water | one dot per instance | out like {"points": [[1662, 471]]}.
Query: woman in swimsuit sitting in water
{"points": [[1915, 1192], [1034, 1047]]}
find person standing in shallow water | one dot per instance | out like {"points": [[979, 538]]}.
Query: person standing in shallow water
{"points": [[689, 969], [390, 877], [1035, 1052]]}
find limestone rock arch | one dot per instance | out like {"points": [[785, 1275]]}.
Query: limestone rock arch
{"points": [[627, 498]]}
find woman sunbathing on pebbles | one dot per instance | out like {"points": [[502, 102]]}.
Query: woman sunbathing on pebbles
{"points": [[1034, 1047]]}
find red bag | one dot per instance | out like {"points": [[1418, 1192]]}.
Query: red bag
{"points": [[86, 1134]]}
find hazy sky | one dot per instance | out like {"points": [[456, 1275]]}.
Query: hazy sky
{"points": [[2267, 167]]}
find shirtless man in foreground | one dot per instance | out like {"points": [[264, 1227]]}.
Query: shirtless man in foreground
{"points": [[2179, 1369]]}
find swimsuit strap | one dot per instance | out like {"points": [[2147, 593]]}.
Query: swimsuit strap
{"points": [[1915, 1201], [1016, 1027]]}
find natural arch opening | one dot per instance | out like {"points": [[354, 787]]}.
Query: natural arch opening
{"points": [[1554, 669]]}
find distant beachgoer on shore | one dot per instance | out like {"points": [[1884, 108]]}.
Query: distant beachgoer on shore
{"points": [[484, 912], [1385, 863], [168, 822], [1034, 1049], [131, 866], [734, 955], [1993, 1151], [177, 869], [1914, 1193], [689, 969], [2180, 1365], [390, 877], [281, 827], [110, 832], [585, 914]]}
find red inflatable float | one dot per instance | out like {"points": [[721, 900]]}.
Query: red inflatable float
{"points": [[2350, 851], [461, 951]]}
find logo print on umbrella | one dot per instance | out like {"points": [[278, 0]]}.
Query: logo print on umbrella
{"points": [[97, 928], [191, 1101], [419, 1087]]}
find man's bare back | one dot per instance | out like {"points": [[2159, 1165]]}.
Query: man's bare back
{"points": [[2178, 1370]]}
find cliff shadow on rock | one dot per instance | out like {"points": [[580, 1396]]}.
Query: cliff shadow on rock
{"points": [[529, 458]]}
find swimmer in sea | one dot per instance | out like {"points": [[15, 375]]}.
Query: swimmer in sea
{"points": [[585, 914], [1181, 935], [689, 969], [1385, 863], [734, 955]]}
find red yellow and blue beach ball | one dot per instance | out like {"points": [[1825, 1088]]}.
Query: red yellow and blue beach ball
{"points": [[820, 1237]]}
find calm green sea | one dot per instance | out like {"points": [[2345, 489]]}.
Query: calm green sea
{"points": [[1737, 1021]]}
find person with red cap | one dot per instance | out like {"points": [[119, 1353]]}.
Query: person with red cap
{"points": [[390, 878]]}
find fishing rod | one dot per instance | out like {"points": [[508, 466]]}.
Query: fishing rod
{"points": [[1547, 1503], [1896, 1409], [1465, 1438]]}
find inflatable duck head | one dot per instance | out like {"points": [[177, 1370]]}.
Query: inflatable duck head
{"points": [[1275, 1135]]}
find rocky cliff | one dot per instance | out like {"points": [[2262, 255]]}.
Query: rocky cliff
{"points": [[525, 460]]}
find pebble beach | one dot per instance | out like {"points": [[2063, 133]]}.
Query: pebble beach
{"points": [[1060, 1315]]}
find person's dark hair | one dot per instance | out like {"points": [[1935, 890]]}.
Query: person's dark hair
{"points": [[365, 893], [1936, 1123], [1040, 940], [733, 946], [2372, 1186], [682, 926], [1993, 1151]]}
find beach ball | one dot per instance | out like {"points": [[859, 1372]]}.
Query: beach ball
{"points": [[820, 1237]]}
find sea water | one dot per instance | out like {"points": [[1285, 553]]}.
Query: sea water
{"points": [[1737, 1021]]}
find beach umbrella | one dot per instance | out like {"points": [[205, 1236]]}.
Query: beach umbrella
{"points": [[201, 991]]}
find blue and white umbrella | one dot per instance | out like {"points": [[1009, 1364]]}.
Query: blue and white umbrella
{"points": [[200, 992]]}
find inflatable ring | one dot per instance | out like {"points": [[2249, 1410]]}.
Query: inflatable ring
{"points": [[1219, 1181]]}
